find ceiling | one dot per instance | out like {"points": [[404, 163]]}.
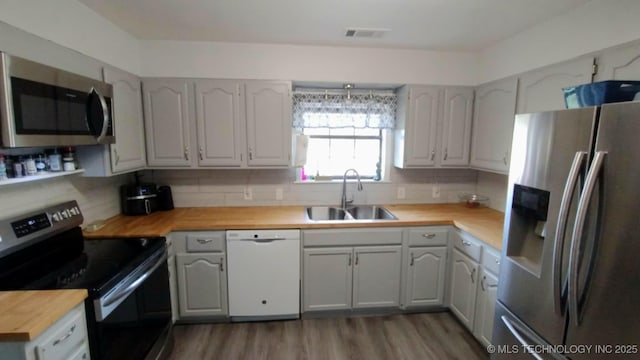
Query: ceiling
{"points": [[453, 25]]}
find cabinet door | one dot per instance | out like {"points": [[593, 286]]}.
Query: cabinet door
{"points": [[202, 284], [426, 276], [464, 276], [166, 111], [621, 63], [327, 279], [220, 130], [456, 127], [128, 153], [494, 113], [541, 90], [376, 276], [485, 307], [421, 126], [268, 115]]}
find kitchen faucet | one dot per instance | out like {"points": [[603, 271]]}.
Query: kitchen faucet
{"points": [[344, 202]]}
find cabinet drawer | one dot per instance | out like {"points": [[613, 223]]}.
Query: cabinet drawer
{"points": [[428, 236], [468, 246], [491, 260], [67, 336], [205, 242], [82, 353]]}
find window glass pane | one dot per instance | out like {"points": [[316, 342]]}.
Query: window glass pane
{"points": [[316, 131]]}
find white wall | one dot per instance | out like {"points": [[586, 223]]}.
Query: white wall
{"points": [[597, 25], [307, 63], [495, 187], [75, 26]]}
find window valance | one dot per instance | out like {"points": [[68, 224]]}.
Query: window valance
{"points": [[320, 108]]}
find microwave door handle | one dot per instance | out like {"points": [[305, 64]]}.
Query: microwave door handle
{"points": [[563, 214], [105, 113], [578, 229]]}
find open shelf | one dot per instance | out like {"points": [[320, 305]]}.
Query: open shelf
{"points": [[48, 175]]}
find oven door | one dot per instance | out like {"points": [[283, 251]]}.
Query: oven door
{"points": [[133, 320]]}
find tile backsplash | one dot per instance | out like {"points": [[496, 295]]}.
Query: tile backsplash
{"points": [[97, 197], [199, 188]]}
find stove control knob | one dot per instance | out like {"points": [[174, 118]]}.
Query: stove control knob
{"points": [[77, 210], [73, 212], [55, 217], [65, 214]]}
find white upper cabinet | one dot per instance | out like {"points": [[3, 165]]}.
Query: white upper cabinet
{"points": [[220, 140], [268, 119], [621, 63], [433, 127], [233, 123], [494, 113], [128, 153], [167, 112], [456, 126], [541, 89]]}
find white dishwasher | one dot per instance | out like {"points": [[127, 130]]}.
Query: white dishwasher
{"points": [[264, 274]]}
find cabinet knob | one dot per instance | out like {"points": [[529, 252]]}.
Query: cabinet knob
{"points": [[466, 243], [445, 154], [429, 235]]}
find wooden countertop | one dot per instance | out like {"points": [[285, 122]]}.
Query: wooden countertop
{"points": [[26, 314], [484, 223]]}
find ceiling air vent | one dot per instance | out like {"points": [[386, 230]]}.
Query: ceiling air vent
{"points": [[365, 33]]}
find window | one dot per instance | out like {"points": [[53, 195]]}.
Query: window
{"points": [[345, 129], [333, 151]]}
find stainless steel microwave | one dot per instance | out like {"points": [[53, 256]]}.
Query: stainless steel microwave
{"points": [[44, 106]]}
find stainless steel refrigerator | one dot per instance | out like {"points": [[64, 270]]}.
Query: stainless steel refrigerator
{"points": [[570, 273]]}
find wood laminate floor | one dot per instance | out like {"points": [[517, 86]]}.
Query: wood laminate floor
{"points": [[393, 337]]}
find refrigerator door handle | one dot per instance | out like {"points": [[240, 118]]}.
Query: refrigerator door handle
{"points": [[518, 336], [563, 214], [576, 240]]}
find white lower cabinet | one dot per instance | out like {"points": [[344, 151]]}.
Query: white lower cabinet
{"points": [[202, 285], [426, 270], [464, 276], [65, 339], [201, 274], [343, 278], [485, 307]]}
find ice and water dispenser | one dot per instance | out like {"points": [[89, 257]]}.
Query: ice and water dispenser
{"points": [[528, 227]]}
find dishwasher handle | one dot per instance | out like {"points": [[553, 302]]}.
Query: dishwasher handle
{"points": [[263, 239]]}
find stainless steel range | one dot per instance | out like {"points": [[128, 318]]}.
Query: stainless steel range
{"points": [[128, 308]]}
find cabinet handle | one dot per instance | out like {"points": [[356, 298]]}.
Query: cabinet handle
{"points": [[445, 154], [349, 262], [250, 154], [412, 259], [466, 243], [240, 156], [221, 265], [504, 158], [473, 272], [66, 336], [429, 235], [357, 259], [115, 152], [498, 261], [200, 152], [186, 153], [433, 154], [482, 283], [204, 241]]}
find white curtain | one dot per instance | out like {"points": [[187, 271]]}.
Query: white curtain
{"points": [[319, 108]]}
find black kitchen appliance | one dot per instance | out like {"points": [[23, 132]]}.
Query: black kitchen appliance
{"points": [[139, 199], [165, 198], [129, 306]]}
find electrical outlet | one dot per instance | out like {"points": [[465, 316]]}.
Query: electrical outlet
{"points": [[435, 191], [401, 193], [248, 193], [278, 193]]}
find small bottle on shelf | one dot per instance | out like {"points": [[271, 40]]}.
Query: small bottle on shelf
{"points": [[3, 168]]}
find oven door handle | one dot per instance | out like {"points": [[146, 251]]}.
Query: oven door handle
{"points": [[134, 285]]}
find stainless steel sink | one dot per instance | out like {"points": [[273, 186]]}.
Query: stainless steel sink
{"points": [[364, 212], [371, 212]]}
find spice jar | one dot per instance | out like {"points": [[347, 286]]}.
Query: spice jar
{"points": [[68, 159], [55, 161], [30, 166]]}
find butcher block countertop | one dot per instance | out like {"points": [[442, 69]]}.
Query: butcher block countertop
{"points": [[26, 314], [484, 223]]}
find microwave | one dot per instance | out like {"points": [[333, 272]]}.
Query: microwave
{"points": [[44, 106]]}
